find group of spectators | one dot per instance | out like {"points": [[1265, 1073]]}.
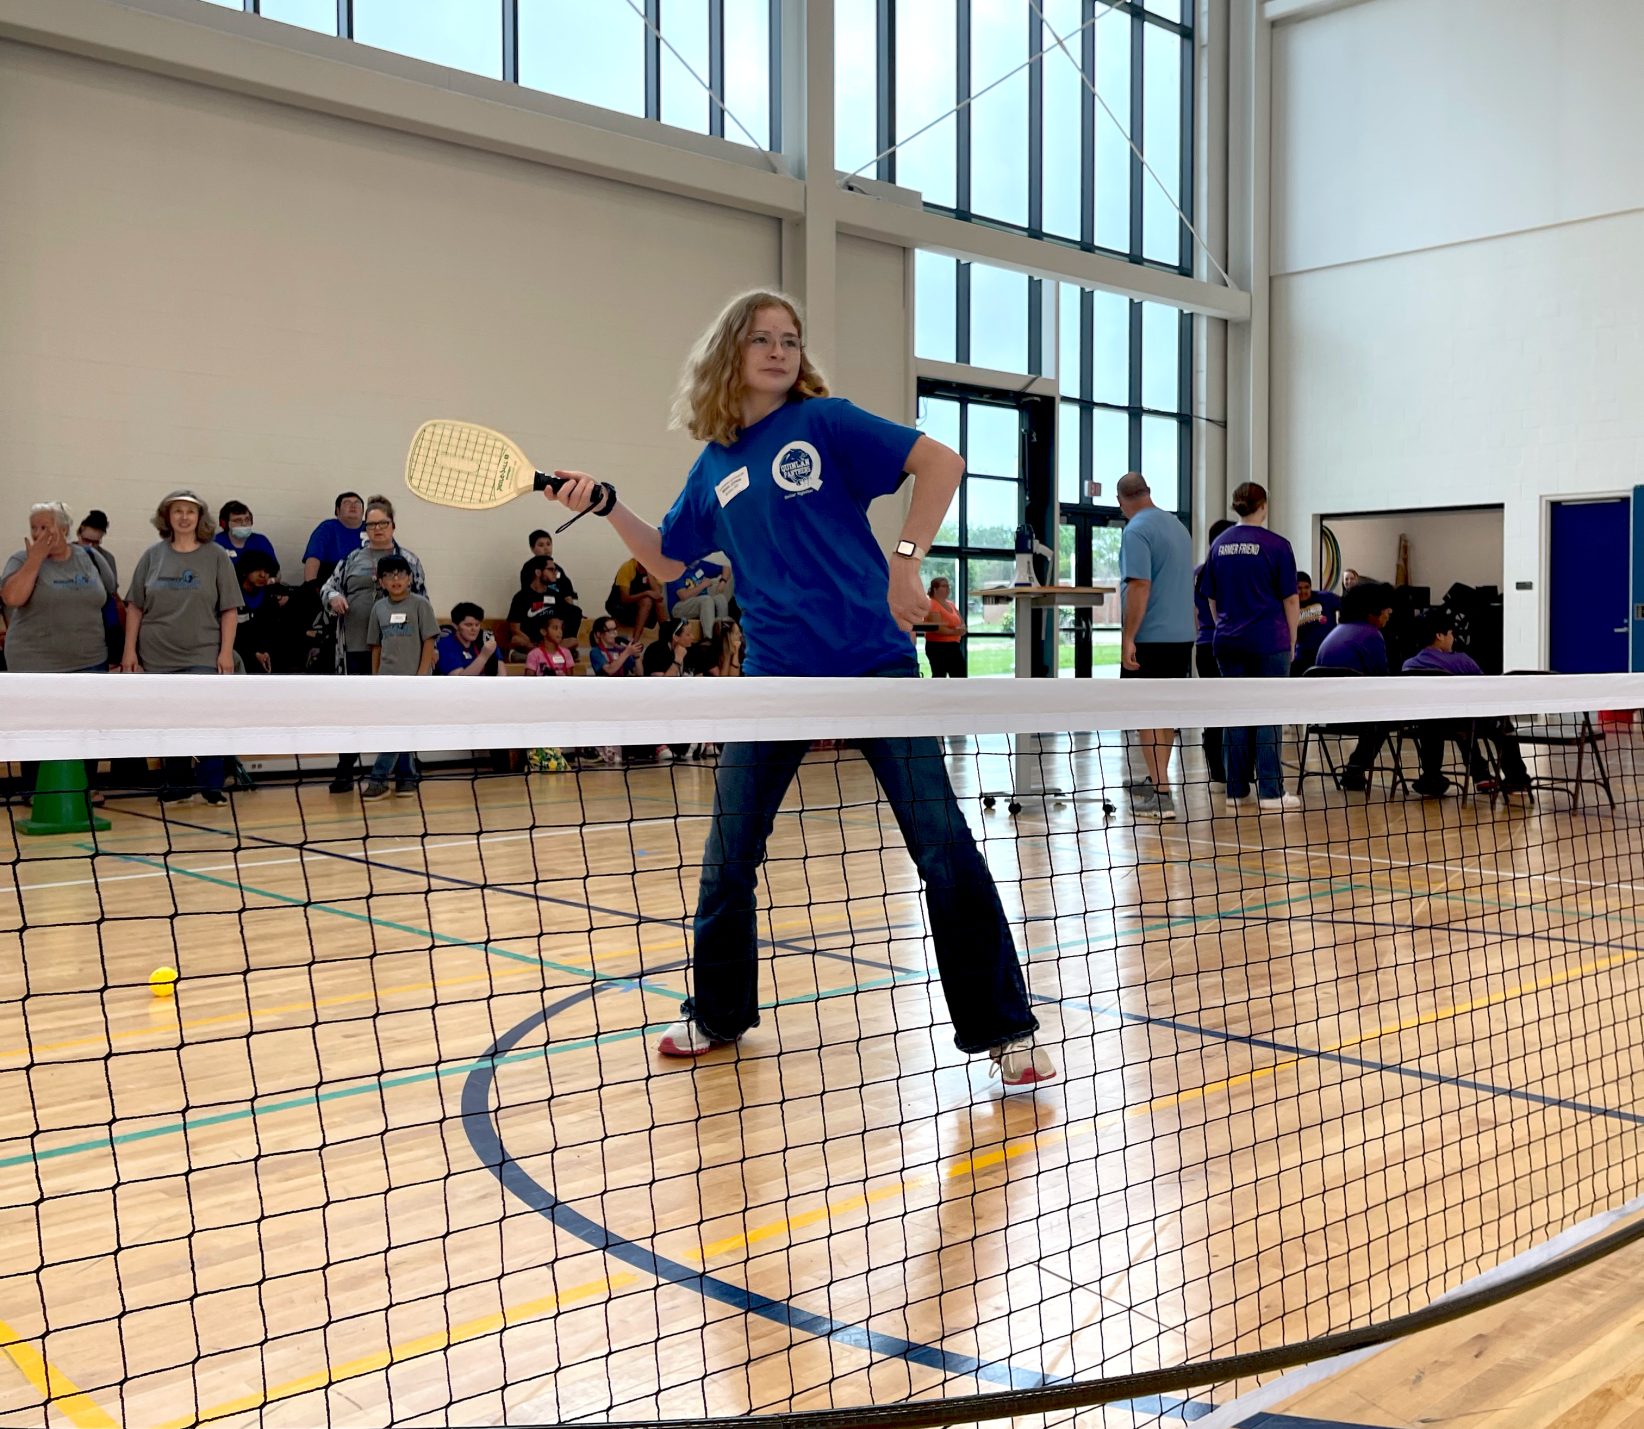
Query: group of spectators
{"points": [[204, 602], [1247, 612]]}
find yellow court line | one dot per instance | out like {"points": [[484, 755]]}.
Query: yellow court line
{"points": [[59, 1391], [406, 1350]]}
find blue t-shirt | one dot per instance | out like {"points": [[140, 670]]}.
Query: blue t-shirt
{"points": [[1354, 646], [1451, 662], [254, 542], [1310, 633], [331, 541], [788, 503], [695, 571], [1249, 573], [1156, 548], [451, 654]]}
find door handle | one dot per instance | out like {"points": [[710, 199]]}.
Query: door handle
{"points": [[1621, 630]]}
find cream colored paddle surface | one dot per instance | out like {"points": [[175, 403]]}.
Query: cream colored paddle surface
{"points": [[468, 466]]}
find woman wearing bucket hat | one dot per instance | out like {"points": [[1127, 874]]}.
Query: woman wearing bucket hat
{"points": [[181, 615]]}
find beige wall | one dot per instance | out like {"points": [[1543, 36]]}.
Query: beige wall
{"points": [[206, 289]]}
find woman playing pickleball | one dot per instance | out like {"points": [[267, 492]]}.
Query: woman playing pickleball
{"points": [[782, 487]]}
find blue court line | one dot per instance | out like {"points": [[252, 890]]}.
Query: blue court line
{"points": [[486, 1143], [637, 916]]}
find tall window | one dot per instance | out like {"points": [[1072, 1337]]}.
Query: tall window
{"points": [[1029, 146], [975, 545], [654, 65]]}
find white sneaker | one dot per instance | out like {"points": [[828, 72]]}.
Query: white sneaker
{"points": [[1021, 1064], [1234, 800], [1284, 801], [686, 1039]]}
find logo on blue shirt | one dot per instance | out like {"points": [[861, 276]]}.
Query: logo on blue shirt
{"points": [[797, 467]]}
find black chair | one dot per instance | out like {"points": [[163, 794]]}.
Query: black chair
{"points": [[1333, 767], [1584, 737], [1464, 734]]}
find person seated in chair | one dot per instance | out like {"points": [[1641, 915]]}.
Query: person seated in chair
{"points": [[637, 598], [1356, 645], [1319, 614], [1439, 656]]}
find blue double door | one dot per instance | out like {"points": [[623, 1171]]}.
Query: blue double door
{"points": [[1591, 585]]}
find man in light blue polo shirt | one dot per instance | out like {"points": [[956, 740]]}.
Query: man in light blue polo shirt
{"points": [[1156, 571]]}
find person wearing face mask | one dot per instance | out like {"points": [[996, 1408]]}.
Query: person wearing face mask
{"points": [[237, 531]]}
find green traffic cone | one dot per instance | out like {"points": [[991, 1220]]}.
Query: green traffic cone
{"points": [[61, 804]]}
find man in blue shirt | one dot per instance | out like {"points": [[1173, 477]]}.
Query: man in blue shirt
{"points": [[239, 533], [1156, 570], [1318, 613], [335, 538]]}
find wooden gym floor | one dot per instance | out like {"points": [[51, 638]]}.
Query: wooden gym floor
{"points": [[397, 1151]]}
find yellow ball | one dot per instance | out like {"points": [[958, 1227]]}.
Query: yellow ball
{"points": [[163, 981]]}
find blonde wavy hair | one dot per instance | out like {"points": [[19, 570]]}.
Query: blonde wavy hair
{"points": [[708, 404]]}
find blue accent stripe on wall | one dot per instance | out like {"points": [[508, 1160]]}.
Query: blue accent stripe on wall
{"points": [[1638, 580]]}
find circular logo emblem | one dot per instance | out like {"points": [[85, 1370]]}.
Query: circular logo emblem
{"points": [[798, 467]]}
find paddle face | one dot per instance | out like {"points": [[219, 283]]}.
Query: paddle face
{"points": [[467, 466]]}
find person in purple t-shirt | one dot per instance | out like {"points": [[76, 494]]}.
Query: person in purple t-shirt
{"points": [[1250, 582], [1440, 657], [1357, 645], [1204, 657]]}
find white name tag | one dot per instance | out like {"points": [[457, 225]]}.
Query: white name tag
{"points": [[732, 485], [398, 618]]}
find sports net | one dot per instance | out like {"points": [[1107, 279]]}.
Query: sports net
{"points": [[395, 1146]]}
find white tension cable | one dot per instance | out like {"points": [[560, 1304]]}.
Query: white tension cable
{"points": [[104, 716]]}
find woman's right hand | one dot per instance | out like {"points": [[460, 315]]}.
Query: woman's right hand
{"points": [[576, 491], [339, 605]]}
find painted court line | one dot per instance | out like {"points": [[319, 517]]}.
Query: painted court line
{"points": [[53, 1386]]}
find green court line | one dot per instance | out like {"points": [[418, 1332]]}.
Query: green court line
{"points": [[440, 939], [385, 1084]]}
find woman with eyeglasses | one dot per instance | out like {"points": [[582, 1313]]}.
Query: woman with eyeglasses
{"points": [[782, 488], [349, 593]]}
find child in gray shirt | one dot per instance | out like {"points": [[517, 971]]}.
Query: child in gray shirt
{"points": [[401, 634]]}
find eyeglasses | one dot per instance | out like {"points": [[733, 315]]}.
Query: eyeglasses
{"points": [[762, 341], [378, 525]]}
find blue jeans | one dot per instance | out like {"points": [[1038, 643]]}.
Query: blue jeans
{"points": [[975, 956], [403, 768], [1253, 748]]}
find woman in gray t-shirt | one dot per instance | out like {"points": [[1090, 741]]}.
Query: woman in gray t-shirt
{"points": [[54, 594], [183, 600], [182, 609]]}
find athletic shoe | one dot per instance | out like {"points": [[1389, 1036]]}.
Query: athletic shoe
{"points": [[1431, 788], [214, 796], [686, 1039], [1354, 781], [1165, 806], [1144, 801], [1234, 800], [1021, 1064], [405, 790], [180, 797], [374, 790], [1134, 785], [1283, 801], [342, 784]]}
